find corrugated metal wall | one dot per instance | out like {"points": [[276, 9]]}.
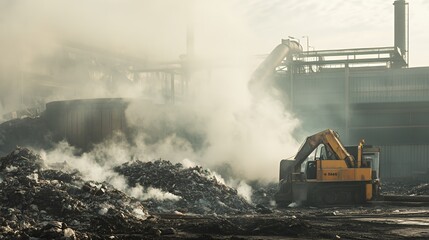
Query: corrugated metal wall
{"points": [[404, 161], [393, 85], [386, 107], [365, 86], [327, 86]]}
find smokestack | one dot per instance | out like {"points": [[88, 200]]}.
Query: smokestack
{"points": [[401, 27]]}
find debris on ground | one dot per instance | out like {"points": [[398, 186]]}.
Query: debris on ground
{"points": [[421, 189], [45, 203], [198, 190], [263, 193], [41, 203], [405, 187]]}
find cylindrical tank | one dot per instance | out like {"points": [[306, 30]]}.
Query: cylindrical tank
{"points": [[86, 122], [401, 26]]}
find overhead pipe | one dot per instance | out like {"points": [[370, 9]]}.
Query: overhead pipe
{"points": [[283, 51]]}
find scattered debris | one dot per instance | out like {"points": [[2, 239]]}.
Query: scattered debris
{"points": [[41, 203], [421, 189], [405, 187]]}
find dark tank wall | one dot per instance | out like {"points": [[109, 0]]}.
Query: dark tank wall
{"points": [[86, 121]]}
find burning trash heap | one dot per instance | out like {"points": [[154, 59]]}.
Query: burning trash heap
{"points": [[196, 190], [41, 202], [46, 203]]}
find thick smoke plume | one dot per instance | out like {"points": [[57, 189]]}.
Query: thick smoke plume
{"points": [[57, 50], [98, 165]]}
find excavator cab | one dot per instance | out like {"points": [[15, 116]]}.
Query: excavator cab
{"points": [[311, 170], [310, 165]]}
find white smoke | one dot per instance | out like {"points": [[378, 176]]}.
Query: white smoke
{"points": [[141, 193], [188, 163], [222, 127], [243, 189], [217, 123], [158, 194], [96, 165], [140, 213]]}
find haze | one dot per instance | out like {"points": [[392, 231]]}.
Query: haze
{"points": [[238, 129]]}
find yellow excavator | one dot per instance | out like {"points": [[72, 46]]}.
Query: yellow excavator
{"points": [[336, 175]]}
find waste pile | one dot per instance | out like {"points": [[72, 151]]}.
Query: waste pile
{"points": [[405, 187], [44, 203], [197, 189], [263, 193], [396, 187], [421, 189], [263, 196]]}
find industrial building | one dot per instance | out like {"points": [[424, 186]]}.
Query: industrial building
{"points": [[366, 93]]}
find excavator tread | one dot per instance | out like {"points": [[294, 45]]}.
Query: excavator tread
{"points": [[325, 194]]}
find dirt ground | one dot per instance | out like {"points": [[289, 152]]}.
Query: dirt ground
{"points": [[372, 221]]}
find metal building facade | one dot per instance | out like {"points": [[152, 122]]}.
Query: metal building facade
{"points": [[386, 107]]}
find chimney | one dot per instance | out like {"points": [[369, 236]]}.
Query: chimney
{"points": [[401, 27]]}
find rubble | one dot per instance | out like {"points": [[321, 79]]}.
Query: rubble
{"points": [[45, 203], [198, 189], [41, 203], [263, 193], [421, 189], [405, 187]]}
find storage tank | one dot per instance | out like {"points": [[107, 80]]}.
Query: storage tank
{"points": [[85, 122]]}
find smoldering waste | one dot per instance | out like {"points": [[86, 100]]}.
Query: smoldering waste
{"points": [[197, 189], [41, 202], [45, 203]]}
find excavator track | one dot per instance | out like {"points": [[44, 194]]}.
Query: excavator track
{"points": [[329, 194]]}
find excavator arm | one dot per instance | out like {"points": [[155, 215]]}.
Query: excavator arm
{"points": [[333, 146]]}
